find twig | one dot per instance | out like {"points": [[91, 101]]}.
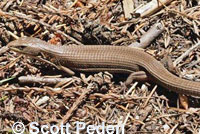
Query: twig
{"points": [[181, 13], [173, 129], [12, 63], [149, 36], [23, 16], [154, 89], [76, 104], [25, 89], [152, 7], [179, 59], [128, 6], [13, 35], [3, 50], [33, 79], [6, 80], [37, 107]]}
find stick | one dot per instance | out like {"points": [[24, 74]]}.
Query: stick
{"points": [[149, 36]]}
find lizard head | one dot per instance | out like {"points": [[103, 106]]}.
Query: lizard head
{"points": [[34, 48], [27, 45]]}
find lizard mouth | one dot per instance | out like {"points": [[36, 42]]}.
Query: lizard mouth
{"points": [[19, 49], [33, 54], [25, 50]]}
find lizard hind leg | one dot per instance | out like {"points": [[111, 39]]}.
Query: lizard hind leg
{"points": [[139, 75]]}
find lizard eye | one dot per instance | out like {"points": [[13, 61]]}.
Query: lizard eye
{"points": [[22, 47]]}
